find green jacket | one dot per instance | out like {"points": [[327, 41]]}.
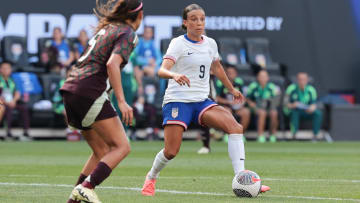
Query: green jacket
{"points": [[10, 84], [307, 97], [256, 93], [295, 94], [222, 91]]}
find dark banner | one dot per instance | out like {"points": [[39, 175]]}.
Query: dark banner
{"points": [[318, 37]]}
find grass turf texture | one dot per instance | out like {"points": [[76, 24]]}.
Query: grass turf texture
{"points": [[294, 171]]}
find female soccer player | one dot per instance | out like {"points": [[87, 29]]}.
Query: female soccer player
{"points": [[85, 93], [187, 64]]}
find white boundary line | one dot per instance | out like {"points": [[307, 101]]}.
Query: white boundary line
{"points": [[175, 191], [197, 177]]}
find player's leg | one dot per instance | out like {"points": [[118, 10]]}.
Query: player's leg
{"points": [[172, 139], [176, 117], [261, 119], [316, 122], [113, 134], [9, 118], [2, 109], [294, 121], [219, 118], [205, 138], [244, 114], [99, 148], [274, 122]]}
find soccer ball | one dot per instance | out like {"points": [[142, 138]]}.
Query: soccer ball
{"points": [[246, 184]]}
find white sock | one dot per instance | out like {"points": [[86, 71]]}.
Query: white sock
{"points": [[159, 163], [236, 151]]}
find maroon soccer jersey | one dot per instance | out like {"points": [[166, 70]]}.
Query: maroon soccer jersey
{"points": [[88, 78]]}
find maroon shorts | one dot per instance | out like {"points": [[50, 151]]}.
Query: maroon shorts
{"points": [[82, 112]]}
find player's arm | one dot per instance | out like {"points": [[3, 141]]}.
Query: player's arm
{"points": [[113, 70], [219, 72], [165, 72], [221, 100]]}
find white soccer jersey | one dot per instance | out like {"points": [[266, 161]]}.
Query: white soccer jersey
{"points": [[194, 61]]}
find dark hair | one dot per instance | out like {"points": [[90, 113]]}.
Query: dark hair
{"points": [[229, 65], [5, 62], [114, 11], [57, 28], [187, 9]]}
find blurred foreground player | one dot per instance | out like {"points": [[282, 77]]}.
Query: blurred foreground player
{"points": [[85, 93], [187, 66]]}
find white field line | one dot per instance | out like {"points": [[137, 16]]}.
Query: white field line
{"points": [[195, 177], [173, 191]]}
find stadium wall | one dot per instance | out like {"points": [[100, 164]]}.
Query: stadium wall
{"points": [[320, 37]]}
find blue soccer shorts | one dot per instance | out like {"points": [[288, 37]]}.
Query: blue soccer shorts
{"points": [[180, 113]]}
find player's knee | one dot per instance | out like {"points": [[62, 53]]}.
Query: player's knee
{"points": [[274, 113], [170, 154], [126, 149], [261, 112], [234, 128], [245, 112], [101, 151]]}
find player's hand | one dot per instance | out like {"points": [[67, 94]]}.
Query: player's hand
{"points": [[127, 113], [238, 97], [12, 104], [311, 109], [181, 79]]}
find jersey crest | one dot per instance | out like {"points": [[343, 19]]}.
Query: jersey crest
{"points": [[175, 112]]}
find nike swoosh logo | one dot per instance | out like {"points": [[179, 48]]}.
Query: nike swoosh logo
{"points": [[190, 53]]}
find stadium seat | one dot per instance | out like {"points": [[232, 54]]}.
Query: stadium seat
{"points": [[164, 44], [177, 31], [260, 46], [43, 43], [15, 51], [50, 83], [232, 51]]}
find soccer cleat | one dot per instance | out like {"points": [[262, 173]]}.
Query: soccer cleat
{"points": [[72, 199], [204, 150], [149, 187], [264, 188], [81, 193], [261, 139], [272, 138]]}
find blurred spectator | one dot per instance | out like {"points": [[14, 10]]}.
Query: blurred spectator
{"points": [[148, 56], [59, 108], [205, 131], [263, 99], [81, 44], [48, 58], [57, 68], [300, 100], [145, 107], [129, 87], [147, 61], [66, 55], [2, 109], [11, 97], [225, 99]]}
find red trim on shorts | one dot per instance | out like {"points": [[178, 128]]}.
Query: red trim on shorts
{"points": [[203, 111], [170, 57], [176, 122]]}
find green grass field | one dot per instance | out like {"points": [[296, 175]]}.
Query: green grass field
{"points": [[297, 172]]}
